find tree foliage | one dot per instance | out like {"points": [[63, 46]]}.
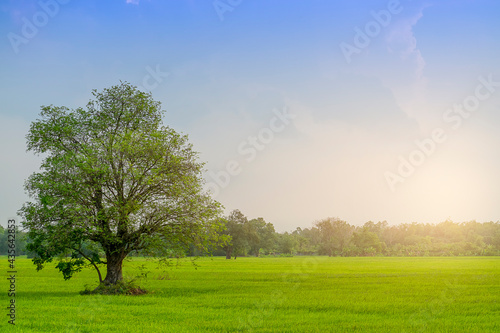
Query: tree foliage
{"points": [[239, 233], [335, 235], [113, 177]]}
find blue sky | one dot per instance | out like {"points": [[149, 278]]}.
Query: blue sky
{"points": [[293, 128]]}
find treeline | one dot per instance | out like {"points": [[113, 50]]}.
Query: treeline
{"points": [[335, 237], [20, 242]]}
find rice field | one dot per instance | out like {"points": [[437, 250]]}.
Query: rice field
{"points": [[283, 294]]}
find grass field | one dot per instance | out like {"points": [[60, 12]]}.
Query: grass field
{"points": [[299, 294]]}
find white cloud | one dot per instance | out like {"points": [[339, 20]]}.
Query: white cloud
{"points": [[410, 86], [401, 39], [134, 2]]}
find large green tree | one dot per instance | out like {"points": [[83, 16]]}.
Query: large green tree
{"points": [[113, 180]]}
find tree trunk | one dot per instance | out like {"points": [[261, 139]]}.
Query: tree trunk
{"points": [[229, 252], [114, 267]]}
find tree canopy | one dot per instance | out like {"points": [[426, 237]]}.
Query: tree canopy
{"points": [[113, 180]]}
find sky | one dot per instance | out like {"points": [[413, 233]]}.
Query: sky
{"points": [[302, 110]]}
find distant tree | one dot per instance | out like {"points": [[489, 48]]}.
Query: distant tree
{"points": [[114, 180], [367, 242], [377, 228], [263, 236], [3, 241], [448, 231], [20, 242], [286, 243], [307, 240], [4, 245], [239, 232], [490, 231], [335, 235]]}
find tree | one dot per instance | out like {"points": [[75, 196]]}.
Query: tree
{"points": [[307, 240], [367, 242], [286, 243], [263, 236], [335, 235], [238, 230], [113, 180], [20, 241]]}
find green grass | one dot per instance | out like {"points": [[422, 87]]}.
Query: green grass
{"points": [[299, 294]]}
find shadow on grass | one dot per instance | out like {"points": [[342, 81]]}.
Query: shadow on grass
{"points": [[46, 294], [164, 292]]}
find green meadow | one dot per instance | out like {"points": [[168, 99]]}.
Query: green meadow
{"points": [[283, 294]]}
